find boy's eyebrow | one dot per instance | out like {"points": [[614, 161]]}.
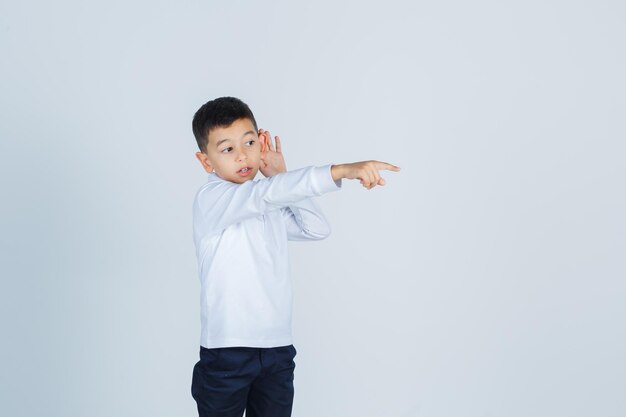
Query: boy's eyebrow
{"points": [[219, 142]]}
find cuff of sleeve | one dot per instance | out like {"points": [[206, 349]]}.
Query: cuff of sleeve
{"points": [[334, 185], [324, 179]]}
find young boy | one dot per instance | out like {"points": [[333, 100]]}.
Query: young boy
{"points": [[241, 227]]}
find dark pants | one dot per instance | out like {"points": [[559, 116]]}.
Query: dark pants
{"points": [[230, 379]]}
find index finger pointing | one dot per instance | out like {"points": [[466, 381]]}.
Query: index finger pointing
{"points": [[388, 166]]}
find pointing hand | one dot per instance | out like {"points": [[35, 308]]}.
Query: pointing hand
{"points": [[366, 171]]}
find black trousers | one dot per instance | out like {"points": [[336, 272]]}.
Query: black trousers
{"points": [[226, 381]]}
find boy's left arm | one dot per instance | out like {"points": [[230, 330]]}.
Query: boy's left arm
{"points": [[305, 221]]}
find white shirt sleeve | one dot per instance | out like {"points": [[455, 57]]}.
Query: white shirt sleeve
{"points": [[223, 203], [305, 220]]}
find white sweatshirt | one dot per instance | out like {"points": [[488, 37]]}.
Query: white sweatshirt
{"points": [[240, 232]]}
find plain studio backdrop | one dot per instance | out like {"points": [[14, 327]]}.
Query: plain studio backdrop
{"points": [[485, 279]]}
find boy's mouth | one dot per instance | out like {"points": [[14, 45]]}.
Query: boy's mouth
{"points": [[244, 171]]}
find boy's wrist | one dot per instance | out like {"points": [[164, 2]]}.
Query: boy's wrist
{"points": [[336, 171]]}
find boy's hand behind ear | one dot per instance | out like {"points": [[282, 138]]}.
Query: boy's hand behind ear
{"points": [[272, 162], [366, 171]]}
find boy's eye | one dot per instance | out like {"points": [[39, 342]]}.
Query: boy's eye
{"points": [[225, 149]]}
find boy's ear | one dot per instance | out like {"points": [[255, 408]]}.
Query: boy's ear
{"points": [[204, 161], [263, 142]]}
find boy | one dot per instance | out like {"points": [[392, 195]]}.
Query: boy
{"points": [[241, 227]]}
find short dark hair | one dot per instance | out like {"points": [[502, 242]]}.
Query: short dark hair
{"points": [[220, 112]]}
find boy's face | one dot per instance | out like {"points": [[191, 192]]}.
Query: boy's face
{"points": [[232, 148]]}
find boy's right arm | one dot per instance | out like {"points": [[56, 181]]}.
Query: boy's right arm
{"points": [[366, 171], [223, 203]]}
